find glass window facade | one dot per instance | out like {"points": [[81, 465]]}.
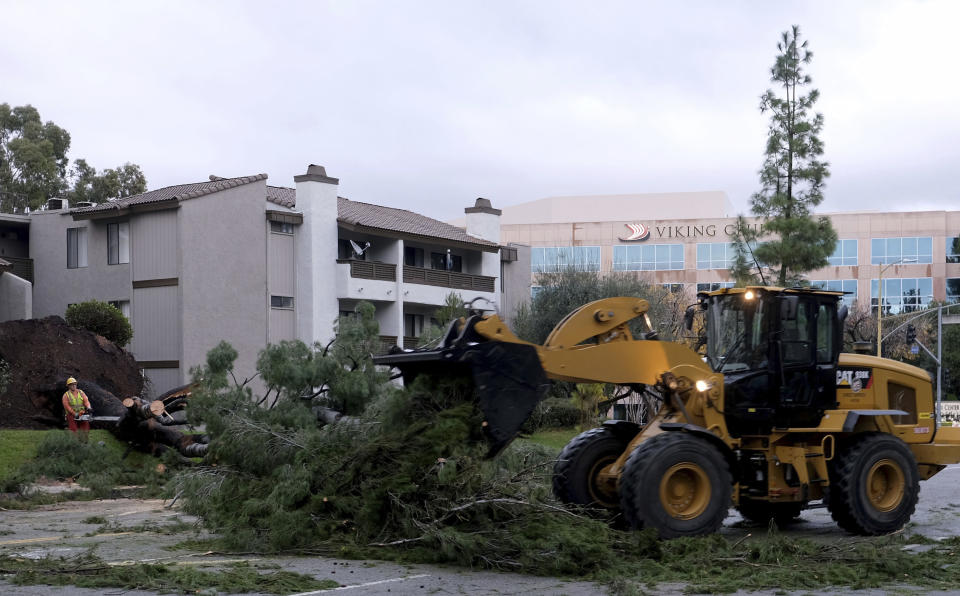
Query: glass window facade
{"points": [[845, 253], [711, 287], [550, 259], [849, 286], [953, 249], [902, 294], [714, 255], [953, 289], [648, 257], [76, 248], [118, 243], [673, 288], [885, 251]]}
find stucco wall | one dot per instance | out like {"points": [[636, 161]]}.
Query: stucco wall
{"points": [[54, 285], [16, 298], [223, 280]]}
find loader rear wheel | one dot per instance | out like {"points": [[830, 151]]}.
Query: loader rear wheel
{"points": [[762, 512], [874, 486], [575, 475], [677, 483]]}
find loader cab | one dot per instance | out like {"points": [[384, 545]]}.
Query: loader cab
{"points": [[778, 351]]}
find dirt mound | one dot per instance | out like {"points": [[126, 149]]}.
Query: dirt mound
{"points": [[42, 354]]}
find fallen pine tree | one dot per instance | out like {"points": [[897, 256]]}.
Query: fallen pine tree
{"points": [[402, 475]]}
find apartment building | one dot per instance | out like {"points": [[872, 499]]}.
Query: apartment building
{"points": [[239, 260]]}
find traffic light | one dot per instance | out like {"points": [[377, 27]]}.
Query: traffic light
{"points": [[911, 334]]}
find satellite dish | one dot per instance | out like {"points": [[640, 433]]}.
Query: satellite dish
{"points": [[357, 249]]}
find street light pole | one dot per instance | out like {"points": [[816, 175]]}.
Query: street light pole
{"points": [[880, 300]]}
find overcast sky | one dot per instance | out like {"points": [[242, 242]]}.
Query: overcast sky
{"points": [[428, 105]]}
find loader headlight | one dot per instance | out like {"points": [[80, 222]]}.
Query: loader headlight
{"points": [[703, 386]]}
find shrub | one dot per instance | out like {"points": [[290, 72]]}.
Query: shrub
{"points": [[101, 318], [553, 412]]}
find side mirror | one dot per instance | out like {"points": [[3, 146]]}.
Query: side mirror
{"points": [[788, 308], [688, 317]]}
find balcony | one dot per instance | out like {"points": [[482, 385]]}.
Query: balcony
{"points": [[387, 342], [22, 268], [448, 279], [371, 270]]}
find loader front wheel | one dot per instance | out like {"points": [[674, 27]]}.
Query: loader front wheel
{"points": [[874, 486], [576, 473], [677, 483]]}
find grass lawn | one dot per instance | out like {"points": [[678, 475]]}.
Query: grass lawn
{"points": [[17, 447], [554, 438]]}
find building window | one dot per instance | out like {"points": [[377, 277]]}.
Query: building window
{"points": [[714, 286], [648, 257], [848, 286], [886, 251], [845, 253], [412, 325], [953, 249], [673, 288], [412, 256], [118, 243], [281, 227], [953, 289], [715, 255], [76, 247], [545, 259], [446, 261], [902, 294], [123, 306], [281, 301]]}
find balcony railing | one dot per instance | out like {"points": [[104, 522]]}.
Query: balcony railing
{"points": [[448, 279], [22, 268], [371, 270], [386, 343]]}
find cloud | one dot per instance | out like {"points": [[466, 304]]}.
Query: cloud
{"points": [[428, 105]]}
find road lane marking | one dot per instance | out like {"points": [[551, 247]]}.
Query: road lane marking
{"points": [[30, 540], [368, 584]]}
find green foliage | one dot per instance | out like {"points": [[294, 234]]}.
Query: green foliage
{"points": [[452, 309], [563, 292], [101, 318], [405, 477], [97, 464], [89, 571], [793, 173], [588, 396], [112, 183], [33, 156], [340, 376], [553, 412], [34, 165]]}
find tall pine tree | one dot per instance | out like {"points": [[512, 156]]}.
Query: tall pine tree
{"points": [[793, 240]]}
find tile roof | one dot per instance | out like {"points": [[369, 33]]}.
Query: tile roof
{"points": [[281, 195], [401, 220], [179, 192]]}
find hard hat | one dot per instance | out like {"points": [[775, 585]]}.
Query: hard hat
{"points": [[71, 381]]}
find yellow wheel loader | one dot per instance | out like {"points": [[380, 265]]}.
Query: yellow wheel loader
{"points": [[773, 419]]}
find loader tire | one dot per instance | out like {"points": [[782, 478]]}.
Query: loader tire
{"points": [[762, 512], [874, 485], [678, 484], [577, 467]]}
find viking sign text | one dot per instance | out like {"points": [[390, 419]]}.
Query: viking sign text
{"points": [[639, 232]]}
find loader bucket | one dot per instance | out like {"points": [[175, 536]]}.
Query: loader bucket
{"points": [[508, 379]]}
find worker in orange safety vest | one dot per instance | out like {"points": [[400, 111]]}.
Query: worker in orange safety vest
{"points": [[75, 405]]}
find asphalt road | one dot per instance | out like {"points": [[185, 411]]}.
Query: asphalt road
{"points": [[66, 530]]}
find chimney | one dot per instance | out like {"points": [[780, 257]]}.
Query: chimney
{"points": [[316, 249], [483, 221]]}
